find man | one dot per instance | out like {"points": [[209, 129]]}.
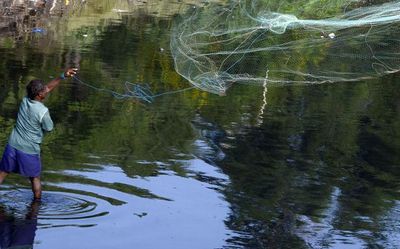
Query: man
{"points": [[22, 153]]}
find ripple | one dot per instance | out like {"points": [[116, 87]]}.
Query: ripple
{"points": [[63, 206], [53, 206]]}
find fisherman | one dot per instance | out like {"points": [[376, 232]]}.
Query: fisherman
{"points": [[22, 153]]}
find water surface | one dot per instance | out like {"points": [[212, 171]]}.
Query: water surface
{"points": [[278, 167]]}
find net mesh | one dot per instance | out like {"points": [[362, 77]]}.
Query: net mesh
{"points": [[299, 42]]}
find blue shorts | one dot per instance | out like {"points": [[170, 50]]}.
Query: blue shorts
{"points": [[19, 162]]}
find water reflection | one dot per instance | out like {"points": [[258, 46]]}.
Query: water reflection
{"points": [[55, 208], [313, 177], [207, 145], [19, 17], [173, 206], [18, 229], [287, 167]]}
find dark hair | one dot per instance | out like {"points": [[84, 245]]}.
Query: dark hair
{"points": [[34, 88]]}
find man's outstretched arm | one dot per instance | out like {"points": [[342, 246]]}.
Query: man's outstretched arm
{"points": [[54, 83]]}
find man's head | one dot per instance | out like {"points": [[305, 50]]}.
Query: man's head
{"points": [[34, 89]]}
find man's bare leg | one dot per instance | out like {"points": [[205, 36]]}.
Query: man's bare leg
{"points": [[36, 187], [2, 176]]}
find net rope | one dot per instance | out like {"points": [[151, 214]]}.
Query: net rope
{"points": [[140, 92]]}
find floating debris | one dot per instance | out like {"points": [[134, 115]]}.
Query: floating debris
{"points": [[120, 10], [38, 30]]}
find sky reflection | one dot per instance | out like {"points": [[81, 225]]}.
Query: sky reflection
{"points": [[185, 209]]}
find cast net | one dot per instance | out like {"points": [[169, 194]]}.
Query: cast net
{"points": [[318, 41]]}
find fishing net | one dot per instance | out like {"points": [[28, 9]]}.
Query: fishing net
{"points": [[282, 42]]}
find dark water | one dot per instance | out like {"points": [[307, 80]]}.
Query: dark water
{"points": [[284, 167]]}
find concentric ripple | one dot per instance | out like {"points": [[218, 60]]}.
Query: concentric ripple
{"points": [[53, 206]]}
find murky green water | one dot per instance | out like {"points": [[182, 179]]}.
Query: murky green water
{"points": [[284, 167]]}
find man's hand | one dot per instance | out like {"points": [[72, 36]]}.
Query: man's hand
{"points": [[70, 72]]}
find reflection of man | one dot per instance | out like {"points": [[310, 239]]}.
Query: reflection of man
{"points": [[17, 233]]}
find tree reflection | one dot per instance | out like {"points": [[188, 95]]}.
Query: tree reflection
{"points": [[318, 155], [326, 170]]}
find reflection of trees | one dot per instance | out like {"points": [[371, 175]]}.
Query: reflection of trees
{"points": [[312, 141], [316, 139], [19, 17], [92, 122]]}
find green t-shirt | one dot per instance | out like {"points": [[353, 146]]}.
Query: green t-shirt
{"points": [[32, 121]]}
